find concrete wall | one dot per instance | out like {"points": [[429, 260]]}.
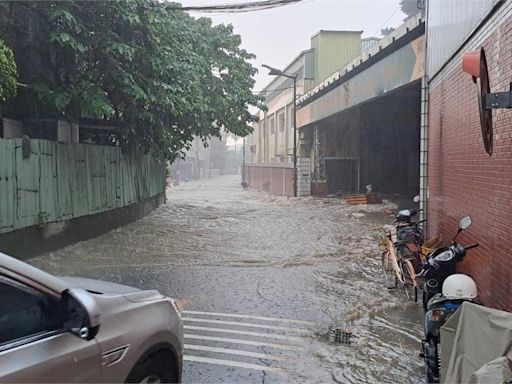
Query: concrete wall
{"points": [[462, 178], [397, 64], [44, 181], [12, 128]]}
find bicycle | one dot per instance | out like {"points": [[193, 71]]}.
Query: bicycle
{"points": [[396, 268]]}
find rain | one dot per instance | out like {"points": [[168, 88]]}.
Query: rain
{"points": [[221, 249]]}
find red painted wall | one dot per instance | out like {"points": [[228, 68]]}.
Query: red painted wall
{"points": [[463, 179], [274, 180]]}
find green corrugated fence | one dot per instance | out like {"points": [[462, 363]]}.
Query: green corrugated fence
{"points": [[64, 181]]}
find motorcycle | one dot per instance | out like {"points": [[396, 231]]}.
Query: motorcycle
{"points": [[404, 216], [443, 292]]}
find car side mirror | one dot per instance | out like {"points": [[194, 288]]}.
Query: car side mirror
{"points": [[82, 313]]}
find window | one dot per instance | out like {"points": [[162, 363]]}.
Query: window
{"points": [[281, 122], [272, 128], [25, 311]]}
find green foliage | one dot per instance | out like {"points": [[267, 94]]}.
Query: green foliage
{"points": [[409, 7], [218, 153], [162, 75], [8, 73], [386, 31], [43, 217]]}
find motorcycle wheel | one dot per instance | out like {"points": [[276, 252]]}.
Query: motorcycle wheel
{"points": [[432, 362]]}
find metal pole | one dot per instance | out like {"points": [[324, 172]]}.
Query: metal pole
{"points": [[243, 160], [295, 136]]}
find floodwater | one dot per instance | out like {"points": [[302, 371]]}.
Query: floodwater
{"points": [[226, 252]]}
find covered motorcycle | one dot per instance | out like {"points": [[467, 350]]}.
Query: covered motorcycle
{"points": [[476, 346]]}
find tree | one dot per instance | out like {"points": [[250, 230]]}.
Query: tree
{"points": [[409, 7], [218, 153], [161, 75], [7, 73], [386, 31]]}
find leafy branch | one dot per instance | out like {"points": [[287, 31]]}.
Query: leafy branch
{"points": [[161, 75]]}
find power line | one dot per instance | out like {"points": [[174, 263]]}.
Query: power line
{"points": [[389, 18], [238, 7]]}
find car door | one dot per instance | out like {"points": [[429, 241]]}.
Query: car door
{"points": [[34, 346]]}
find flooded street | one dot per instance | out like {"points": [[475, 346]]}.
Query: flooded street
{"points": [[262, 279]]}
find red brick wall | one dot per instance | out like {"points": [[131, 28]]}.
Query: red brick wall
{"points": [[463, 179], [274, 180]]}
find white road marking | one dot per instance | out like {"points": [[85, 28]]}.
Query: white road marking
{"points": [[237, 332], [235, 352], [249, 317], [246, 342], [252, 325], [229, 363]]}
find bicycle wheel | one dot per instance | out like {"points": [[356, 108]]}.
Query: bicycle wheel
{"points": [[409, 285], [387, 268]]}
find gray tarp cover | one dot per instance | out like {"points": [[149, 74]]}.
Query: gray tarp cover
{"points": [[473, 337]]}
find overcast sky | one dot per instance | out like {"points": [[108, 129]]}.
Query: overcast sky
{"points": [[276, 36]]}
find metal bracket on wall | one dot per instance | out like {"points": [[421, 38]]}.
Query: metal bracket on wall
{"points": [[497, 100]]}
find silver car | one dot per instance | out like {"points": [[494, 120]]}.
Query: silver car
{"points": [[80, 330]]}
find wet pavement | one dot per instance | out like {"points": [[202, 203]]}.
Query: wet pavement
{"points": [[262, 279]]}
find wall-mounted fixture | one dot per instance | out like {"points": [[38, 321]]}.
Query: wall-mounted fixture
{"points": [[475, 64]]}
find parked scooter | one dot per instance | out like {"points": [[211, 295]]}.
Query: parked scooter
{"points": [[404, 216], [443, 293]]}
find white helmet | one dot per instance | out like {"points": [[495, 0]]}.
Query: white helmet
{"points": [[459, 287]]}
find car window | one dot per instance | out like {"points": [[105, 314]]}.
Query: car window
{"points": [[25, 311]]}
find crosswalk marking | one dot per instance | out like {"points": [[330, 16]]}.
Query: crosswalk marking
{"points": [[241, 341], [230, 363], [235, 352], [237, 332], [227, 339], [250, 325], [218, 314]]}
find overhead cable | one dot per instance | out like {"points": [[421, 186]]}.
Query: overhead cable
{"points": [[239, 7]]}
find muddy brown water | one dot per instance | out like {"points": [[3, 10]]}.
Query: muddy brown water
{"points": [[225, 249]]}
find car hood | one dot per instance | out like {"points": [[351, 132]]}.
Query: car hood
{"points": [[98, 286]]}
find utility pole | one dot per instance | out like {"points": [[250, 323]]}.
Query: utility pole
{"points": [[295, 172]]}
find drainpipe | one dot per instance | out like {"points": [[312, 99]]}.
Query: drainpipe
{"points": [[424, 148], [424, 128]]}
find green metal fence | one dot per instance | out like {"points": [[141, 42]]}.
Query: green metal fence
{"points": [[64, 181]]}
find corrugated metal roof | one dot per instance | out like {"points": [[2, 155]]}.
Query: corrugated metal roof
{"points": [[449, 24]]}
